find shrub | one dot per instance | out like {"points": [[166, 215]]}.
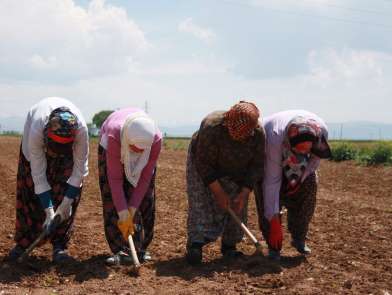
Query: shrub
{"points": [[343, 152], [380, 154]]}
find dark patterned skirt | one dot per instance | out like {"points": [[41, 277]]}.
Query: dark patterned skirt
{"points": [[206, 220], [30, 215], [144, 216], [300, 208]]}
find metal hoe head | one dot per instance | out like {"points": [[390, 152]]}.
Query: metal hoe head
{"points": [[45, 233]]}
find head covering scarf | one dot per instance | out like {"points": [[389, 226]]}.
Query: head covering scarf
{"points": [[138, 130], [242, 119], [61, 127], [298, 131]]}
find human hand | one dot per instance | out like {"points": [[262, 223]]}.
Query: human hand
{"points": [[65, 208], [238, 203], [125, 223], [220, 196], [49, 217]]}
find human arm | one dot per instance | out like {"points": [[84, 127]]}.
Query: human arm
{"points": [[80, 159], [115, 174], [271, 193], [38, 163], [145, 178], [79, 171]]}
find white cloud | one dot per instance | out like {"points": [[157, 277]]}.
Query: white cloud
{"points": [[39, 62], [188, 26], [188, 67], [56, 39], [340, 86], [349, 66]]}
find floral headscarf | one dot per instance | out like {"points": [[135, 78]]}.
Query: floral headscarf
{"points": [[61, 127], [294, 165]]}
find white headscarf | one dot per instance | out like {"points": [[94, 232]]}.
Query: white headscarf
{"points": [[138, 130]]}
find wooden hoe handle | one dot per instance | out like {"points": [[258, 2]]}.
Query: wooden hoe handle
{"points": [[245, 229], [133, 252]]}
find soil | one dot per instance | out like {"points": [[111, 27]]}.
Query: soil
{"points": [[350, 237]]}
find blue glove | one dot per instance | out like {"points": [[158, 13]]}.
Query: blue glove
{"points": [[72, 191], [45, 199]]}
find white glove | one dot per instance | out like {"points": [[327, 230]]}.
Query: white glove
{"points": [[49, 217], [65, 209]]}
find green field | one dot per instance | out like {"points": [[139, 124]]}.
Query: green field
{"points": [[176, 143], [364, 152]]}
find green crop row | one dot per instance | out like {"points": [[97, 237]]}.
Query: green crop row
{"points": [[364, 153], [176, 143]]}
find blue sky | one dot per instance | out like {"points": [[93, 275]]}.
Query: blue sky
{"points": [[188, 58]]}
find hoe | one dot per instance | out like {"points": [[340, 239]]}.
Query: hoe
{"points": [[135, 269], [246, 231], [45, 233]]}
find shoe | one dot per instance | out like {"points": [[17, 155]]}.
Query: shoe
{"points": [[301, 247], [60, 255], [194, 254], [274, 255], [144, 256], [230, 251], [15, 253], [120, 258]]}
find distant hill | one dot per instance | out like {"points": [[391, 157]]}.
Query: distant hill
{"points": [[356, 130], [180, 131], [12, 124], [360, 131], [349, 130]]}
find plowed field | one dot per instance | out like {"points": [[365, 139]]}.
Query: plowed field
{"points": [[350, 236]]}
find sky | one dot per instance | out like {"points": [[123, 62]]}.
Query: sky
{"points": [[182, 59]]}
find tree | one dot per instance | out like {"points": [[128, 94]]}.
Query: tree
{"points": [[100, 117]]}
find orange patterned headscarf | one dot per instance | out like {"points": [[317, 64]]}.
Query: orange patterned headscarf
{"points": [[242, 119]]}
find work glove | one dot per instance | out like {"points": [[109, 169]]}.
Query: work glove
{"points": [[49, 218], [125, 222], [65, 208], [275, 237]]}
